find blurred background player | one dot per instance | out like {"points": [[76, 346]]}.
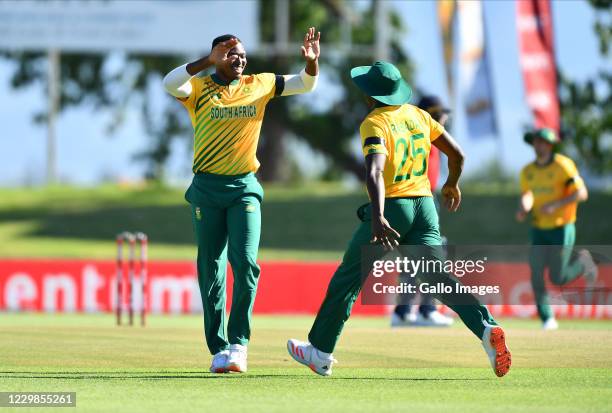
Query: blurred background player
{"points": [[427, 314], [401, 211], [226, 111], [551, 189]]}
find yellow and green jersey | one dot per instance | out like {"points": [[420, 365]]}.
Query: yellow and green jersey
{"points": [[226, 121], [551, 182], [403, 133]]}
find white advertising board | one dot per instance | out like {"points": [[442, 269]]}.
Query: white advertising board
{"points": [[158, 27]]}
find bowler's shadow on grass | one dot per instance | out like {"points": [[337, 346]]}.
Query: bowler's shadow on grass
{"points": [[193, 375]]}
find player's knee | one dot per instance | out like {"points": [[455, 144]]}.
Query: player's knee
{"points": [[211, 271], [245, 269]]}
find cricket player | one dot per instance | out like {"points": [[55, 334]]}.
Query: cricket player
{"points": [[427, 314], [396, 139], [226, 110], [551, 189]]}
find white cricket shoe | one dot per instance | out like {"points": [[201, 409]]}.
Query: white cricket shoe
{"points": [[494, 343], [550, 324], [305, 353], [237, 360], [590, 268], [433, 319], [398, 321], [219, 362]]}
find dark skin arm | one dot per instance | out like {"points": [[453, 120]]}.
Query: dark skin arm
{"points": [[450, 191], [218, 53], [382, 232], [381, 229], [311, 51]]}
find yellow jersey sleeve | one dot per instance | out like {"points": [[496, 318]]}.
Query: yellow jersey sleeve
{"points": [[435, 129], [572, 178], [267, 81], [196, 87], [524, 183], [372, 138]]}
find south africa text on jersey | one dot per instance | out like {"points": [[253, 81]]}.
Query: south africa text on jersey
{"points": [[230, 112]]}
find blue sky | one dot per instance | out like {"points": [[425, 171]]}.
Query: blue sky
{"points": [[86, 154]]}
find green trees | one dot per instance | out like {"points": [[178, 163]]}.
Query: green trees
{"points": [[115, 82], [586, 107]]}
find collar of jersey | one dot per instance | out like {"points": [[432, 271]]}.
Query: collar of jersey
{"points": [[550, 162], [221, 82], [382, 107]]}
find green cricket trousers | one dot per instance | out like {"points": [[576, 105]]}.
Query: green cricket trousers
{"points": [[416, 219], [557, 258], [226, 218]]}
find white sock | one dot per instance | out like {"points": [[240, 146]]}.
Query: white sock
{"points": [[323, 355], [238, 347]]}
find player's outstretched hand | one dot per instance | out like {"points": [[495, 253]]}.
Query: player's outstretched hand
{"points": [[452, 197], [382, 233], [311, 49], [220, 51]]}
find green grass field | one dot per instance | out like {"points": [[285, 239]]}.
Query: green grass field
{"points": [[310, 222], [165, 367]]}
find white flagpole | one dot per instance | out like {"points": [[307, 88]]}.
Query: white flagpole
{"points": [[53, 98]]}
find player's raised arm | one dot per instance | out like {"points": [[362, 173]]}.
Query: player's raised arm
{"points": [[306, 80], [311, 49], [452, 150], [177, 82]]}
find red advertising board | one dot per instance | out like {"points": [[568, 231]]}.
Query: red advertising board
{"points": [[284, 288]]}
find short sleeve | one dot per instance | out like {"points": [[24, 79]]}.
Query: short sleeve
{"points": [[268, 82], [575, 183], [372, 138], [572, 178], [435, 129], [524, 182]]}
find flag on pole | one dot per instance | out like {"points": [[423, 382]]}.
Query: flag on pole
{"points": [[475, 86], [446, 18], [537, 58]]}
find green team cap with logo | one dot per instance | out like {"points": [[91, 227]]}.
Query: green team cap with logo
{"points": [[547, 134], [382, 81]]}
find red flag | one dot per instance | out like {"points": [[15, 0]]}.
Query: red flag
{"points": [[534, 21]]}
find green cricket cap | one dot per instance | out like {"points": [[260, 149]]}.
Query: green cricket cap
{"points": [[382, 81], [547, 134]]}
